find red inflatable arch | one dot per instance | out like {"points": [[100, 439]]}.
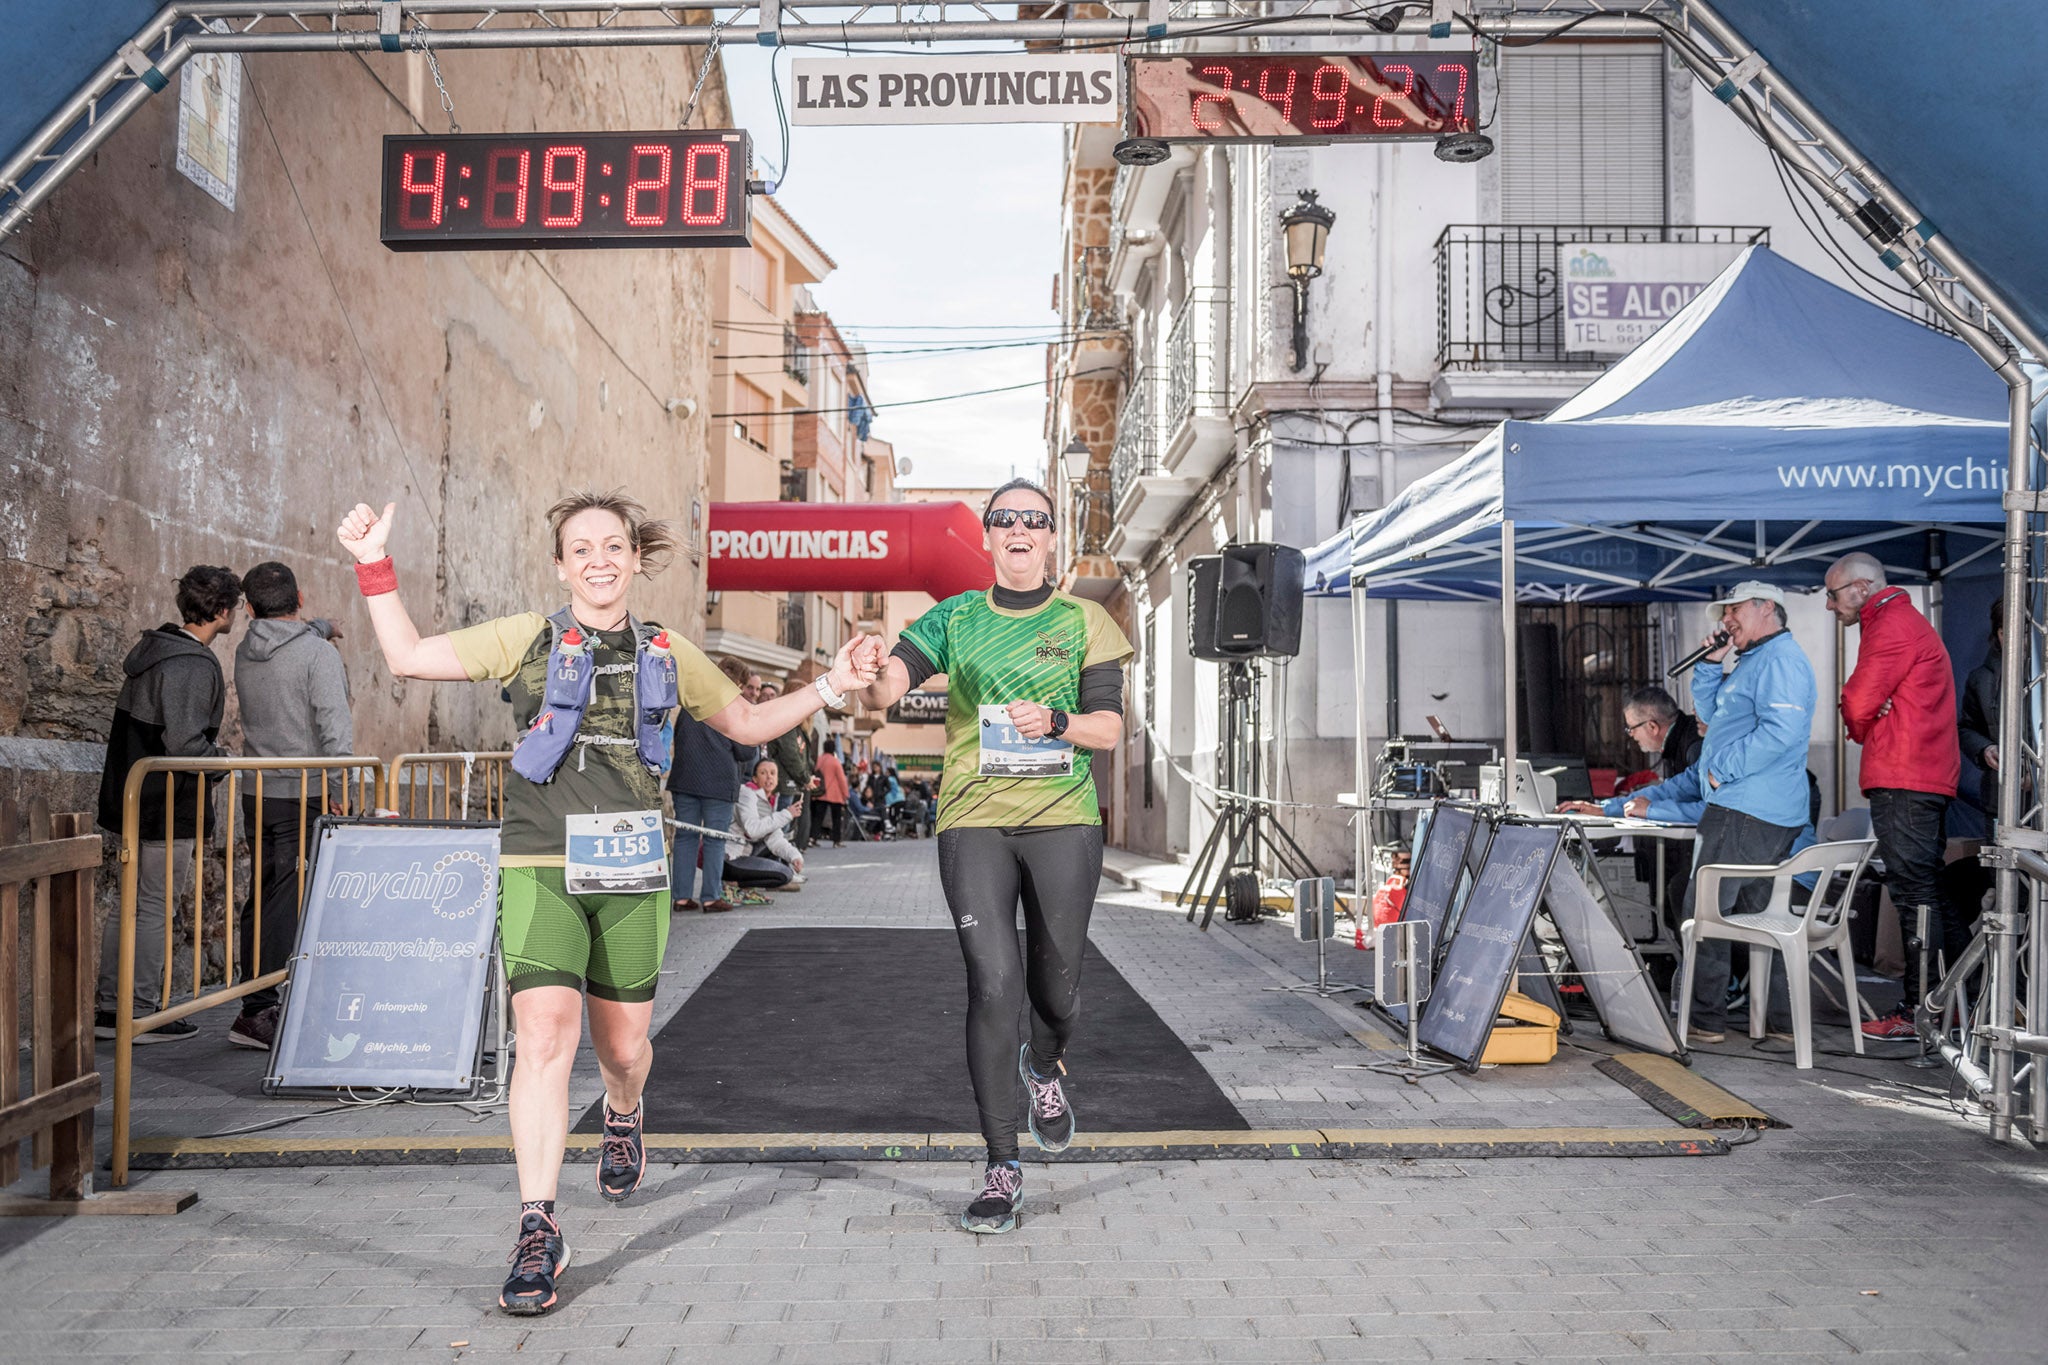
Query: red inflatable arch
{"points": [[932, 547]]}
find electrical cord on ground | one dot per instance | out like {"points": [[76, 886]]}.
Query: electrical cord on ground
{"points": [[1788, 1060]]}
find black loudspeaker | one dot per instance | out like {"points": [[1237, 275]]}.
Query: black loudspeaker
{"points": [[1204, 573], [1258, 601]]}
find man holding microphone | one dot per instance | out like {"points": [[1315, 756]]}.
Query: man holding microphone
{"points": [[1759, 719]]}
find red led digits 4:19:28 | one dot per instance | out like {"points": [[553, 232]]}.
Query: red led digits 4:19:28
{"points": [[610, 189]]}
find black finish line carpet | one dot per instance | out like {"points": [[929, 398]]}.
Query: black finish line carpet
{"points": [[864, 1031]]}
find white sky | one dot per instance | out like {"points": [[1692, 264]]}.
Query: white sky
{"points": [[932, 227]]}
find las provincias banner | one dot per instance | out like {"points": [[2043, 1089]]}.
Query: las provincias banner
{"points": [[931, 547]]}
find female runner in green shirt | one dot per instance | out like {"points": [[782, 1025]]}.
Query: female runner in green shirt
{"points": [[563, 951], [1034, 683]]}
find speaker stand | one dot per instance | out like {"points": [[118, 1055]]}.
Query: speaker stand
{"points": [[1244, 825]]}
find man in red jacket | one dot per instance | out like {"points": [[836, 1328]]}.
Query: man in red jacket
{"points": [[1900, 705]]}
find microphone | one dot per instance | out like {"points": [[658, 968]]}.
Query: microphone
{"points": [[1720, 639]]}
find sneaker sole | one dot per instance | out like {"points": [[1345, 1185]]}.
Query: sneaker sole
{"points": [[533, 1308], [155, 1036], [239, 1040], [989, 1226], [1030, 1117]]}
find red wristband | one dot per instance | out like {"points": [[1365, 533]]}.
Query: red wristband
{"points": [[378, 577]]}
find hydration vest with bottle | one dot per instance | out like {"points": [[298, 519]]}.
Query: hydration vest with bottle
{"points": [[571, 680]]}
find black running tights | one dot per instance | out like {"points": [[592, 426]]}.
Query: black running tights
{"points": [[986, 873]]}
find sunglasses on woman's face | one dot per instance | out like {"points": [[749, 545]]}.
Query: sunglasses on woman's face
{"points": [[1003, 518]]}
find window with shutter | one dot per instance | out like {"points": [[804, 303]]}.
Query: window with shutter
{"points": [[1581, 136], [1581, 132]]}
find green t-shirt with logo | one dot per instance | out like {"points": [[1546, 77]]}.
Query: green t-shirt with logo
{"points": [[992, 656], [602, 771]]}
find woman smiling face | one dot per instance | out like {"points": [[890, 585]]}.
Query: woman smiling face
{"points": [[1022, 556], [598, 562]]}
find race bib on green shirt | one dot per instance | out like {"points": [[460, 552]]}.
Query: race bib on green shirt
{"points": [[1005, 753]]}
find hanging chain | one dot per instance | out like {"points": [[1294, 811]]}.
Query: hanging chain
{"points": [[710, 56], [419, 41]]}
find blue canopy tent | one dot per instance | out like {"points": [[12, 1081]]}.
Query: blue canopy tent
{"points": [[1775, 423]]}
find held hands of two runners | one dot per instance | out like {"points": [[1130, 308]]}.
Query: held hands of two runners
{"points": [[857, 664], [363, 532]]}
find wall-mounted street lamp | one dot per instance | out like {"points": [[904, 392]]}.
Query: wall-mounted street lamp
{"points": [[1306, 227], [1074, 460]]}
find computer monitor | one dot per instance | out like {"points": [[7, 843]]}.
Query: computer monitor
{"points": [[1568, 772], [1534, 794]]}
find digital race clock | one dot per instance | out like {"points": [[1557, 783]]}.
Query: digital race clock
{"points": [[1326, 96], [507, 190]]}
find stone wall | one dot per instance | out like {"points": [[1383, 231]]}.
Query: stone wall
{"points": [[181, 383]]}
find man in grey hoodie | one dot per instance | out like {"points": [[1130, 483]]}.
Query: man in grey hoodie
{"points": [[170, 707], [294, 700]]}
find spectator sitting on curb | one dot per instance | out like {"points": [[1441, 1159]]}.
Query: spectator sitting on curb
{"points": [[763, 826], [293, 692], [170, 706]]}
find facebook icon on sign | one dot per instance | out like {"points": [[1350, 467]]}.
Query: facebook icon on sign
{"points": [[351, 1009]]}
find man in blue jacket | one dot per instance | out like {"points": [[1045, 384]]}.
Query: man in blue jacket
{"points": [[1759, 719]]}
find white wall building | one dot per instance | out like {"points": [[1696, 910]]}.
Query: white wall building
{"points": [[1435, 317]]}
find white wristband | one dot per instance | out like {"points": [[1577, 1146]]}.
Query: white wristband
{"points": [[833, 700]]}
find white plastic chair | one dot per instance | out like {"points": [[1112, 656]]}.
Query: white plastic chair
{"points": [[1820, 924]]}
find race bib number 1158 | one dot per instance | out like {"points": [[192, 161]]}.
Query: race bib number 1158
{"points": [[616, 853]]}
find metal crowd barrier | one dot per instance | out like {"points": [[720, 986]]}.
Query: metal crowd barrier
{"points": [[466, 786], [348, 785]]}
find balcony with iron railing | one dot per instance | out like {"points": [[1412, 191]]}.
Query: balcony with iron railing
{"points": [[1499, 296], [796, 358], [1093, 518], [789, 623], [1136, 453], [1085, 566], [1144, 495], [1195, 424]]}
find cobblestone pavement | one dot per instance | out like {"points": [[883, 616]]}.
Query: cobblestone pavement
{"points": [[1880, 1224]]}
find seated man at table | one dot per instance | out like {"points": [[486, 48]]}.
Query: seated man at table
{"points": [[1672, 739]]}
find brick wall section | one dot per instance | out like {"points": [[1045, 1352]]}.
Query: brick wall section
{"points": [[183, 384]]}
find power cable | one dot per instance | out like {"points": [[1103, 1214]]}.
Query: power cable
{"points": [[738, 325], [910, 402], [936, 348], [781, 114]]}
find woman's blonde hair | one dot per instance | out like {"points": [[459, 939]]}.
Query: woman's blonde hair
{"points": [[654, 540]]}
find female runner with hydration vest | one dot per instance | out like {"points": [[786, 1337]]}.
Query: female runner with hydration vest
{"points": [[579, 924]]}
